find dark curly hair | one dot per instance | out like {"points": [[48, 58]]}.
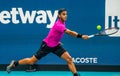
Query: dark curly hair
{"points": [[61, 10]]}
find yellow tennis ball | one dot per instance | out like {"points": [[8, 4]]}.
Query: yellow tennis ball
{"points": [[99, 27]]}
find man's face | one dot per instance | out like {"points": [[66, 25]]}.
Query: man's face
{"points": [[63, 16]]}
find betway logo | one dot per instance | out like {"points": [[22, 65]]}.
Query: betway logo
{"points": [[17, 15]]}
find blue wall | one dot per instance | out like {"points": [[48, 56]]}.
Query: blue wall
{"points": [[23, 40]]}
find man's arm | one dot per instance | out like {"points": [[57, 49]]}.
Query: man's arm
{"points": [[75, 34]]}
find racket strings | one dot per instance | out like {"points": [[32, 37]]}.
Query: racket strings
{"points": [[110, 31]]}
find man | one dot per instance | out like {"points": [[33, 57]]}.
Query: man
{"points": [[52, 44]]}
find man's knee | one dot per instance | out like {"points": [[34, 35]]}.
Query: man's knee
{"points": [[69, 60], [31, 61]]}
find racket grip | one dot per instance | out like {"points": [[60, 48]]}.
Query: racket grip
{"points": [[90, 36]]}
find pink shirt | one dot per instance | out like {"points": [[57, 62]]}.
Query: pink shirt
{"points": [[55, 34]]}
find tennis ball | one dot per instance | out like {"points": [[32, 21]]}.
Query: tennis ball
{"points": [[99, 27]]}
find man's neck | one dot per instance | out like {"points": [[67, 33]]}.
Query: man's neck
{"points": [[62, 21]]}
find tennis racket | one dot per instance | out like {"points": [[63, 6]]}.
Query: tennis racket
{"points": [[106, 32]]}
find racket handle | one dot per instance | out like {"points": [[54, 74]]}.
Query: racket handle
{"points": [[90, 36]]}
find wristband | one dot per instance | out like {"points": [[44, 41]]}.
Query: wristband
{"points": [[79, 36]]}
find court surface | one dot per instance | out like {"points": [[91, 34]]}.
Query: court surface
{"points": [[57, 73]]}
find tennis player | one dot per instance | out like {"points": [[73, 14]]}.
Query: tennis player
{"points": [[52, 44]]}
